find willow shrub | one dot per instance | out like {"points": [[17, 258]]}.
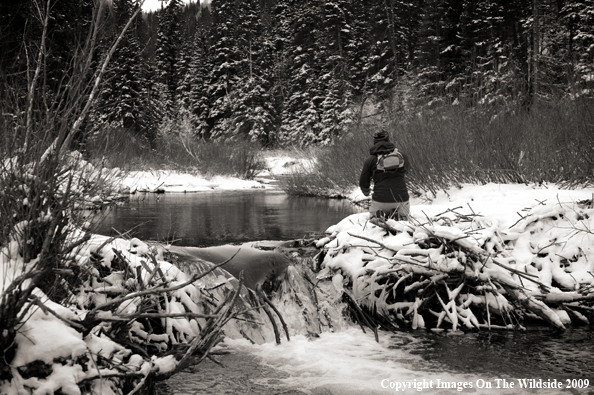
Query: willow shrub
{"points": [[450, 146], [238, 158], [124, 149]]}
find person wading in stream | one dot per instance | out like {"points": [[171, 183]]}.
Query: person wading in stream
{"points": [[387, 167]]}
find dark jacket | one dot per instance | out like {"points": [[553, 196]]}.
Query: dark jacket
{"points": [[387, 186]]}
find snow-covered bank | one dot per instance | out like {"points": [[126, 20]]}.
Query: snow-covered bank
{"points": [[171, 181], [168, 181], [502, 201], [505, 202]]}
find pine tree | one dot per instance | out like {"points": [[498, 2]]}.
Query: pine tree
{"points": [[197, 77], [167, 55], [303, 91], [578, 19], [441, 51], [120, 103], [238, 83], [20, 36], [384, 44], [335, 52]]}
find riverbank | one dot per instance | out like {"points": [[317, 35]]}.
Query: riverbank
{"points": [[167, 181], [493, 199]]}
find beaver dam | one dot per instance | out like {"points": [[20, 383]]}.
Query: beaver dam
{"points": [[134, 313]]}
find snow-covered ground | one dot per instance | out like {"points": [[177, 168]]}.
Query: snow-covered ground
{"points": [[169, 181], [505, 202]]}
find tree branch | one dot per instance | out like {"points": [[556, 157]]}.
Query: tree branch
{"points": [[91, 98]]}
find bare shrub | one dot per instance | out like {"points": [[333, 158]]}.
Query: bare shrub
{"points": [[449, 146]]}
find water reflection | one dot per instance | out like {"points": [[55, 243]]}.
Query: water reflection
{"points": [[211, 218]]}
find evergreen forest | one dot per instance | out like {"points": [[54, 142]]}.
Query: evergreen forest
{"points": [[303, 72]]}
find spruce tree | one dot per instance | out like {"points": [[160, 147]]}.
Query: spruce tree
{"points": [[167, 56], [578, 19], [197, 79], [238, 83]]}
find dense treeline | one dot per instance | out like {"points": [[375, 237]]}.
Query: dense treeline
{"points": [[302, 71]]}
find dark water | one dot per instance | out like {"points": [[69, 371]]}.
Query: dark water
{"points": [[536, 353], [214, 218]]}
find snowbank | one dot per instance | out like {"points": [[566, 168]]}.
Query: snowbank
{"points": [[169, 181]]}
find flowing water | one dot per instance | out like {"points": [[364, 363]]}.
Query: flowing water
{"points": [[346, 360]]}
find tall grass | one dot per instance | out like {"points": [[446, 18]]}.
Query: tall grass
{"points": [[336, 167], [239, 158], [450, 146]]}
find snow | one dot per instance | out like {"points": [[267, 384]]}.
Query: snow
{"points": [[541, 230], [165, 364], [167, 181], [500, 201], [536, 219], [46, 338], [170, 181]]}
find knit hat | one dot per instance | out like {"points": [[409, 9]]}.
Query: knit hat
{"points": [[382, 135]]}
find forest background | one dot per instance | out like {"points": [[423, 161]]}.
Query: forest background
{"points": [[477, 91]]}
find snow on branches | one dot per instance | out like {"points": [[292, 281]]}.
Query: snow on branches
{"points": [[459, 271], [130, 317]]}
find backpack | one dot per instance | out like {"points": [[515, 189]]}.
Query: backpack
{"points": [[390, 161]]}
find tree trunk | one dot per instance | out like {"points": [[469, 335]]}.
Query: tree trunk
{"points": [[535, 48]]}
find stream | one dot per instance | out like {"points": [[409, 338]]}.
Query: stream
{"points": [[213, 218], [345, 360]]}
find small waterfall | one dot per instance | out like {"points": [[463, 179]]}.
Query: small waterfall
{"points": [[307, 305]]}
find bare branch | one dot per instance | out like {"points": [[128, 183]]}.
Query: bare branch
{"points": [[33, 85], [158, 289], [61, 148]]}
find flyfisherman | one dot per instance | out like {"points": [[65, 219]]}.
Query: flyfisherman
{"points": [[387, 167]]}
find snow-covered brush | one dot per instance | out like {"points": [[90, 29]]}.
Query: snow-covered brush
{"points": [[462, 271], [42, 232], [131, 320]]}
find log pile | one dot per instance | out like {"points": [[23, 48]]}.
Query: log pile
{"points": [[462, 271]]}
